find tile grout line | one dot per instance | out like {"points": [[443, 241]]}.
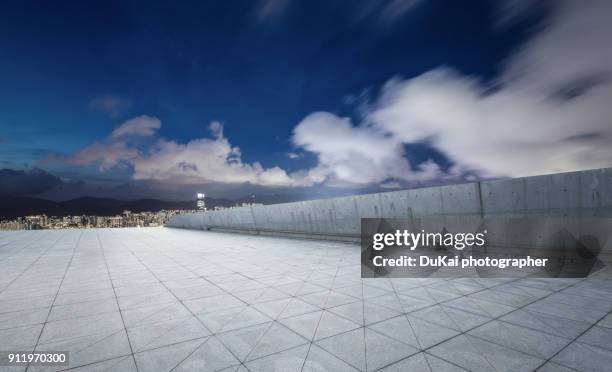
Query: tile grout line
{"points": [[248, 305], [101, 247], [303, 282], [575, 339], [164, 266], [32, 263], [513, 280], [464, 333], [362, 284], [312, 341], [12, 253], [58, 289], [181, 302]]}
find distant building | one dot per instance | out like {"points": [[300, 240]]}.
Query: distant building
{"points": [[200, 203], [125, 219], [250, 204]]}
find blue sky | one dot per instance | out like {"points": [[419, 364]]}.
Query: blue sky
{"points": [[72, 73]]}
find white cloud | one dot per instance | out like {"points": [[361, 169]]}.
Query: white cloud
{"points": [[143, 126], [199, 161], [349, 154], [118, 148], [105, 154], [205, 160], [573, 44], [550, 112]]}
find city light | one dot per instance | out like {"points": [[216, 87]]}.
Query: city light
{"points": [[126, 219]]}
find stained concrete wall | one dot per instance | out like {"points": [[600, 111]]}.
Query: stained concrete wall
{"points": [[584, 194]]}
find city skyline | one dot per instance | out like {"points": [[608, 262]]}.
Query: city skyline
{"points": [[305, 99], [125, 219], [152, 217]]}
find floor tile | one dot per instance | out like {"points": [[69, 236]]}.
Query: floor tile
{"points": [[319, 360], [154, 335], [279, 304], [277, 338], [478, 355], [240, 342], [284, 361], [331, 324], [583, 357], [422, 362], [305, 325], [166, 358], [538, 344], [212, 355], [598, 336]]}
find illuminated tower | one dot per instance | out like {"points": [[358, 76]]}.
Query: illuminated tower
{"points": [[201, 205]]}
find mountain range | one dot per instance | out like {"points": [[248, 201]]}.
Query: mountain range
{"points": [[16, 206]]}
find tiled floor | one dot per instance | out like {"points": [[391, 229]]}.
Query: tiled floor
{"points": [[162, 299]]}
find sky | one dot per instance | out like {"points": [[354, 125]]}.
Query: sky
{"points": [[145, 99]]}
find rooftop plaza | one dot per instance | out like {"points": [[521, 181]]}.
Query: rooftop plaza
{"points": [[161, 299]]}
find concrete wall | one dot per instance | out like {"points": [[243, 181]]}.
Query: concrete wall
{"points": [[583, 194]]}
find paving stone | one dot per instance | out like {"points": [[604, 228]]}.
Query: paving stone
{"points": [[90, 348], [414, 332], [277, 338], [450, 317], [583, 357], [280, 304], [166, 358], [319, 360], [216, 320], [547, 323], [304, 325], [478, 355], [154, 314], [121, 364], [20, 338], [240, 342], [297, 307], [382, 350], [538, 344], [247, 317], [598, 336], [284, 361], [154, 335], [349, 347], [331, 324], [422, 362], [212, 355]]}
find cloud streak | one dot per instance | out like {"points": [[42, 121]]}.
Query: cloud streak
{"points": [[358, 155], [548, 111], [206, 160], [144, 126], [199, 161]]}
